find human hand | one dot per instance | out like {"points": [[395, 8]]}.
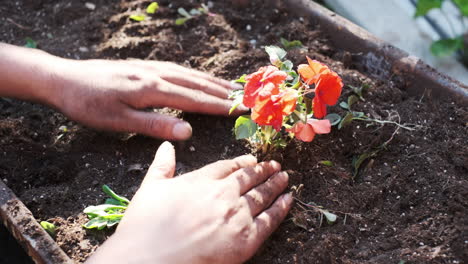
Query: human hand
{"points": [[220, 213], [111, 95]]}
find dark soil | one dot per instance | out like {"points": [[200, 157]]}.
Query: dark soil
{"points": [[407, 203]]}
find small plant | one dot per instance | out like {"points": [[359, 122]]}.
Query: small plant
{"points": [[290, 44], [282, 103], [191, 14], [108, 214], [446, 46], [30, 43], [150, 9], [49, 228]]}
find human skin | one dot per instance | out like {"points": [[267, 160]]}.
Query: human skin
{"points": [[220, 213], [111, 95]]}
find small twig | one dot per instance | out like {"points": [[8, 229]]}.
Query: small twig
{"points": [[18, 25]]}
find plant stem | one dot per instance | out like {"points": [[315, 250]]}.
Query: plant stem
{"points": [[385, 122]]}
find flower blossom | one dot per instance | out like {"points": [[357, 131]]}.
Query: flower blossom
{"points": [[306, 132], [262, 93], [271, 108], [328, 85]]}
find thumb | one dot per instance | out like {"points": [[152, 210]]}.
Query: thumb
{"points": [[163, 166]]}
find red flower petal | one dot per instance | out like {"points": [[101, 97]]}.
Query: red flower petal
{"points": [[329, 88], [320, 126], [306, 132], [320, 109], [266, 77]]}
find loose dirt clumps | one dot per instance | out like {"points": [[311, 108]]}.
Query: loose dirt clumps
{"points": [[406, 203]]}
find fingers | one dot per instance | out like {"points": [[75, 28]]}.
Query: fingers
{"points": [[250, 177], [163, 166], [267, 222], [223, 168], [157, 125], [202, 75], [189, 100], [200, 84], [263, 195]]}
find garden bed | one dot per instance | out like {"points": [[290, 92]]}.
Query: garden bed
{"points": [[407, 201]]}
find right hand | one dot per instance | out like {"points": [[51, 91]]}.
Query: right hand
{"points": [[220, 213]]}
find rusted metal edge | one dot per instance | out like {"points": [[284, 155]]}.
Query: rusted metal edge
{"points": [[27, 231], [378, 57]]}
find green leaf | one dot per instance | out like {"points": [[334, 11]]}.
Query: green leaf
{"points": [[344, 105], [287, 66], [138, 17], [103, 221], [30, 43], [357, 162], [238, 97], [181, 21], [183, 12], [107, 190], [351, 100], [446, 47], [112, 201], [327, 163], [276, 54], [195, 12], [346, 120], [49, 228], [152, 8], [290, 44], [358, 114], [334, 118], [331, 218], [424, 6], [244, 127], [463, 6], [359, 90], [241, 79]]}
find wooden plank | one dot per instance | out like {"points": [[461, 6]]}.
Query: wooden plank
{"points": [[27, 231]]}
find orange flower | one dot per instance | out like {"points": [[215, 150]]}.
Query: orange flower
{"points": [[306, 132], [266, 78], [328, 85], [271, 106]]}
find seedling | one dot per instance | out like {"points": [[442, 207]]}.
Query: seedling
{"points": [[30, 43], [150, 9], [280, 100], [290, 44], [191, 14], [108, 214], [49, 228], [138, 18]]}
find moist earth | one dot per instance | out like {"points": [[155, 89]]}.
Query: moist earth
{"points": [[405, 203]]}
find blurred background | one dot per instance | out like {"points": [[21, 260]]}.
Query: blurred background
{"points": [[433, 30]]}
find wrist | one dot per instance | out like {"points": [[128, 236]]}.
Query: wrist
{"points": [[30, 74]]}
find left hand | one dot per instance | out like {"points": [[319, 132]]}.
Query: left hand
{"points": [[111, 95]]}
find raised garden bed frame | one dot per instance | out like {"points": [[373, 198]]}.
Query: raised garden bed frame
{"points": [[375, 57]]}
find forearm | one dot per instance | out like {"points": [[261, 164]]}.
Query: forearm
{"points": [[29, 74]]}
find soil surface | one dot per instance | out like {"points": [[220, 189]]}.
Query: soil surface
{"points": [[406, 203]]}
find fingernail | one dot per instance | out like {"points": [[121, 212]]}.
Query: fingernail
{"points": [[283, 175], [182, 130], [236, 86], [242, 108], [287, 198], [275, 165]]}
